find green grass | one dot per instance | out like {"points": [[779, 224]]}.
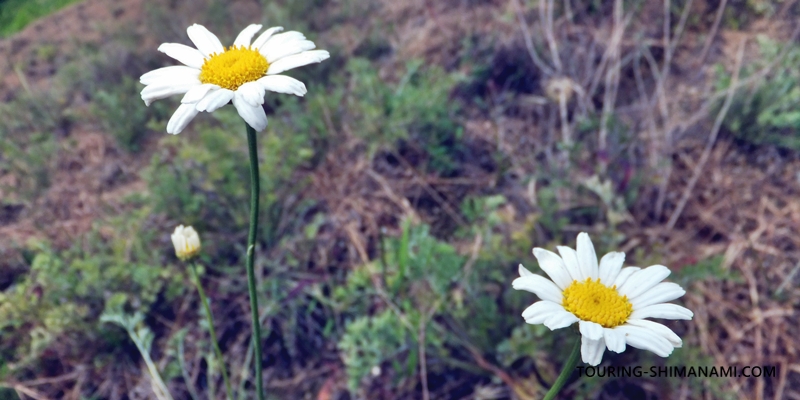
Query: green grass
{"points": [[17, 14]]}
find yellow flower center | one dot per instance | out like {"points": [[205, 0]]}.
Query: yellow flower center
{"points": [[234, 67], [593, 301]]}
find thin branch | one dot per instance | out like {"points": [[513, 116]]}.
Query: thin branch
{"points": [[546, 15], [562, 108], [711, 140], [20, 389], [527, 35], [714, 28], [611, 81], [616, 39]]}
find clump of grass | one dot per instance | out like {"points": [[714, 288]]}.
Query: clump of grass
{"points": [[415, 113], [27, 141], [122, 114], [767, 112]]}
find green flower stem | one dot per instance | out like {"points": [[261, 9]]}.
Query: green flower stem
{"points": [[251, 245], [211, 331], [569, 367]]}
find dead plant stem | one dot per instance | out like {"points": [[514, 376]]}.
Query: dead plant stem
{"points": [[546, 15], [713, 32], [527, 37]]}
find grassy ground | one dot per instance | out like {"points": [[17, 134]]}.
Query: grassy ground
{"points": [[436, 147]]}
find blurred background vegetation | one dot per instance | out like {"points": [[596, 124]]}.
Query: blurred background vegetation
{"points": [[438, 145]]}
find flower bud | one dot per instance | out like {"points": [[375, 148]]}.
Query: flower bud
{"points": [[186, 241]]}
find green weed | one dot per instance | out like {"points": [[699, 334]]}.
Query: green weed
{"points": [[120, 111], [16, 14], [416, 113], [27, 141], [767, 112], [64, 292]]}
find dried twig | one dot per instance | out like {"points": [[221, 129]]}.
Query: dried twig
{"points": [[612, 80], [21, 389], [713, 33], [527, 35], [546, 15]]}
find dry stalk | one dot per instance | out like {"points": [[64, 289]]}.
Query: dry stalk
{"points": [[527, 35], [546, 15], [713, 33], [611, 82], [614, 43], [661, 98], [565, 126], [22, 389]]}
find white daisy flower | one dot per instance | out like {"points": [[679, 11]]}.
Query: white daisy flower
{"points": [[609, 303], [186, 242], [212, 75]]}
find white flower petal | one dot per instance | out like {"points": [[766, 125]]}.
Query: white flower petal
{"points": [[560, 320], [183, 115], [247, 33], [540, 286], [524, 271], [187, 55], [253, 115], [276, 52], [592, 350], [214, 100], [281, 38], [587, 258], [591, 330], [264, 37], [623, 276], [644, 280], [610, 265], [297, 60], [540, 311], [615, 340], [283, 84], [169, 75], [152, 93], [660, 329], [553, 265], [197, 93], [252, 93], [570, 257], [204, 40], [666, 311], [646, 339], [661, 293]]}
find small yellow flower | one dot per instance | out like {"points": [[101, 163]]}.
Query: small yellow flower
{"points": [[186, 242]]}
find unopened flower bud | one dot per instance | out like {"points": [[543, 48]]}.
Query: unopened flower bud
{"points": [[186, 241]]}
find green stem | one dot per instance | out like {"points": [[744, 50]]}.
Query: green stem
{"points": [[569, 367], [251, 245], [211, 331]]}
